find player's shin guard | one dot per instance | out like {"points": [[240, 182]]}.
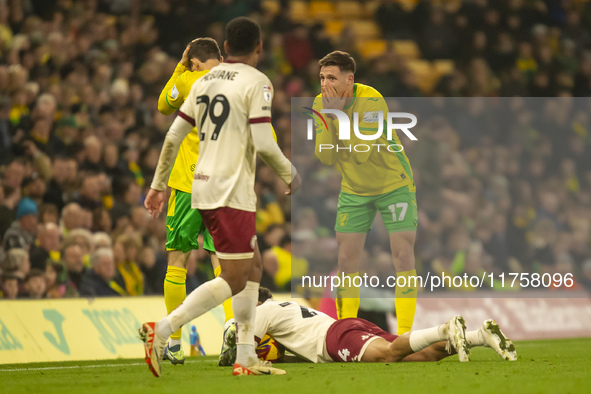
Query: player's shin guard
{"points": [[175, 292], [347, 298], [228, 312], [406, 300], [244, 304]]}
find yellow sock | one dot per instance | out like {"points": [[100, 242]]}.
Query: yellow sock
{"points": [[228, 312], [405, 301], [347, 297], [175, 291]]}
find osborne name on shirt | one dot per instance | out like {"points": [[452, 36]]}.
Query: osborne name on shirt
{"points": [[220, 74]]}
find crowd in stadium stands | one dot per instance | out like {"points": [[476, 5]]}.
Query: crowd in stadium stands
{"points": [[80, 135]]}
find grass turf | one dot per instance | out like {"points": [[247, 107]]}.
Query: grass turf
{"points": [[543, 366]]}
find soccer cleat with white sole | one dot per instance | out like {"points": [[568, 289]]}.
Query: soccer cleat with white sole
{"points": [[174, 354], [456, 337], [154, 345], [228, 353], [260, 368], [495, 339]]}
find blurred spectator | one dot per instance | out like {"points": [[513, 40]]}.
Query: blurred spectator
{"points": [[47, 247], [268, 210], [35, 284], [48, 213], [8, 204], [126, 250], [281, 266], [82, 238], [72, 218], [153, 267], [56, 189], [16, 263], [99, 280], [9, 286], [438, 40], [90, 193], [72, 258], [100, 240], [21, 233]]}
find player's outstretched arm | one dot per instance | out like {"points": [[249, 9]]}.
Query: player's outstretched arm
{"points": [[175, 135], [262, 135]]}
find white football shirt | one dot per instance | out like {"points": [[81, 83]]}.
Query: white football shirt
{"points": [[223, 104], [300, 329]]}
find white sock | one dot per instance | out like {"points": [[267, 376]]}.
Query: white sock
{"points": [[202, 299], [421, 339], [174, 342], [475, 338], [244, 306]]}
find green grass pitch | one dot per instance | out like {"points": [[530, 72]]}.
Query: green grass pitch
{"points": [[557, 366]]}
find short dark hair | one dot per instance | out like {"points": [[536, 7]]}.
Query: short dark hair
{"points": [[34, 273], [243, 35], [204, 49], [264, 294], [342, 60]]}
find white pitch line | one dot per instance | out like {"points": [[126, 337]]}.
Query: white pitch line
{"points": [[87, 366]]}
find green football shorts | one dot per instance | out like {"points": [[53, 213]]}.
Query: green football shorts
{"points": [[355, 214], [184, 224]]}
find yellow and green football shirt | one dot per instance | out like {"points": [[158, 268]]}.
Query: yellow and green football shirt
{"points": [[172, 97], [370, 173]]}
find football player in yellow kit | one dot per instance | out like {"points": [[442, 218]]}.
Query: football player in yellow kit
{"points": [[372, 180], [183, 224]]}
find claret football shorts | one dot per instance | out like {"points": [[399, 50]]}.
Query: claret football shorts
{"points": [[233, 232], [347, 339]]}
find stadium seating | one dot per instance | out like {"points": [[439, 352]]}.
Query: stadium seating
{"points": [[372, 48], [321, 10], [366, 29], [407, 49]]}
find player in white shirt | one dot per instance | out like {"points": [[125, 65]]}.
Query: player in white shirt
{"points": [[231, 107], [318, 338]]}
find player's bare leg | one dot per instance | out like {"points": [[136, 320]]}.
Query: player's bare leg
{"points": [[350, 251], [452, 334], [403, 257], [435, 352], [380, 350], [175, 292]]}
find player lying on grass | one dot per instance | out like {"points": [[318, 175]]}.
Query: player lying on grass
{"points": [[319, 338]]}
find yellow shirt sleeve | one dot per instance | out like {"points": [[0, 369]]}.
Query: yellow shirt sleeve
{"points": [[169, 100]]}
